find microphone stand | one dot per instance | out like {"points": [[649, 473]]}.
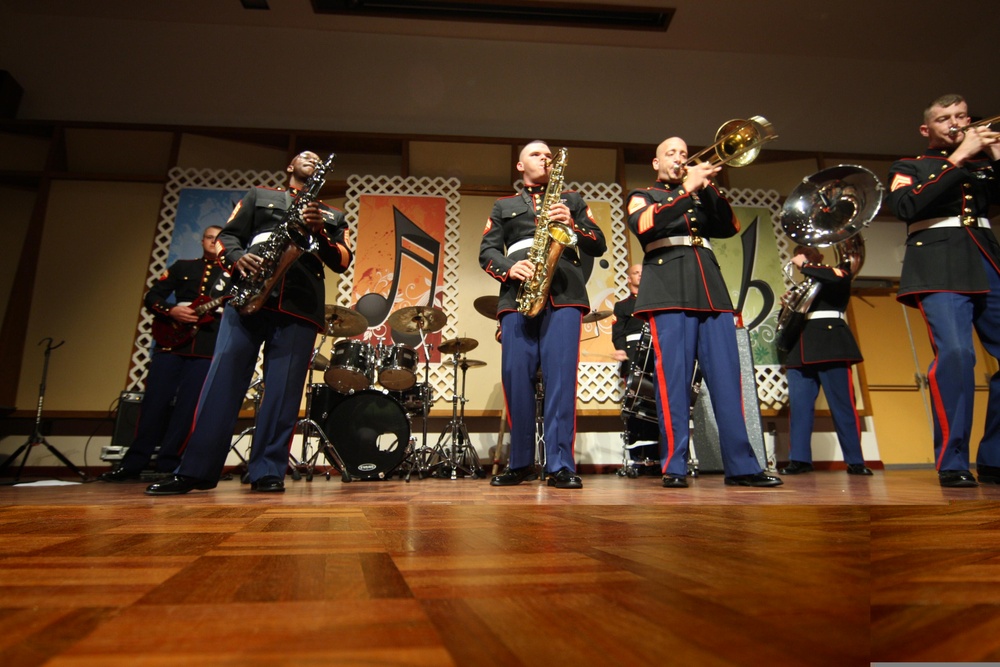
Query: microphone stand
{"points": [[36, 437]]}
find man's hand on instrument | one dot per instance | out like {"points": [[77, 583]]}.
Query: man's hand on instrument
{"points": [[249, 264], [184, 314], [313, 218], [522, 270], [560, 213]]}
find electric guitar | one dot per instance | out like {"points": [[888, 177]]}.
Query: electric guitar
{"points": [[168, 332]]}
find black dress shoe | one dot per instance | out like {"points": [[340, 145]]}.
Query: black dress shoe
{"points": [[674, 482], [796, 468], [759, 480], [177, 485], [565, 479], [268, 484], [514, 476], [956, 479], [119, 475], [988, 474], [858, 469]]}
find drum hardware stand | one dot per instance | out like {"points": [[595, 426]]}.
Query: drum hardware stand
{"points": [[36, 437], [244, 466], [462, 455], [540, 424], [308, 427], [418, 458]]}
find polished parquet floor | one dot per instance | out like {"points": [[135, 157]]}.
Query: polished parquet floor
{"points": [[826, 570]]}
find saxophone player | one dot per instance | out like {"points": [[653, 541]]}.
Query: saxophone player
{"points": [[286, 326], [685, 300], [550, 341]]}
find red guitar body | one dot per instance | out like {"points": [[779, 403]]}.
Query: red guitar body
{"points": [[168, 332]]}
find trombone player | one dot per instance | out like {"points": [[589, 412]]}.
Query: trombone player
{"points": [[951, 272], [687, 304]]}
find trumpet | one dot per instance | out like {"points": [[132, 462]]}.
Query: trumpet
{"points": [[954, 130]]}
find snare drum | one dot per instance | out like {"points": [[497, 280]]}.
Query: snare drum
{"points": [[351, 366], [639, 400], [370, 432], [397, 367]]}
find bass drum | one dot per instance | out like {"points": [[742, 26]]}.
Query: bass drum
{"points": [[639, 401], [370, 432]]}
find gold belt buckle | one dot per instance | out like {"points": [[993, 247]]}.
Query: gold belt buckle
{"points": [[697, 241], [969, 221]]}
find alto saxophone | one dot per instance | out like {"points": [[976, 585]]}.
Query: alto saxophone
{"points": [[286, 244], [551, 238]]}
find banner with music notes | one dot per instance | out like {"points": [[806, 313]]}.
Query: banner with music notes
{"points": [[398, 262]]}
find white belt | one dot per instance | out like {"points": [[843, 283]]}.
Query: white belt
{"points": [[520, 245], [953, 221], [825, 315], [631, 338], [677, 240], [260, 238]]}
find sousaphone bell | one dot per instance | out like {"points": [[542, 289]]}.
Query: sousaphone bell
{"points": [[829, 208]]}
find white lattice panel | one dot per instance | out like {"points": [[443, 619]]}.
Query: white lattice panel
{"points": [[177, 180], [441, 374]]}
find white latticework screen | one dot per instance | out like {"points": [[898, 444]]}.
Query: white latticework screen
{"points": [[177, 180], [441, 378]]}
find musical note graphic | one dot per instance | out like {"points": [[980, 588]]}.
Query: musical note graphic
{"points": [[414, 244], [749, 243]]}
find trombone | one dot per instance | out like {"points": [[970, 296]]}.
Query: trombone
{"points": [[737, 142], [986, 122]]}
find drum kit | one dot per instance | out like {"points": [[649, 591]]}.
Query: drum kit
{"points": [[362, 413]]}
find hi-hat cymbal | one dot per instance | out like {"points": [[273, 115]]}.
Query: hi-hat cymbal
{"points": [[596, 316], [342, 321], [487, 305], [472, 363], [458, 345], [417, 318]]}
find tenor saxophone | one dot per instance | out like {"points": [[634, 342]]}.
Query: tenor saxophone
{"points": [[551, 238], [286, 244]]}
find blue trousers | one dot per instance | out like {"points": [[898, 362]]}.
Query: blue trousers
{"points": [[549, 341], [803, 390], [171, 379], [679, 337], [950, 319], [288, 344]]}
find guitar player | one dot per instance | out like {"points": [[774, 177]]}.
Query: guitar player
{"points": [[184, 329]]}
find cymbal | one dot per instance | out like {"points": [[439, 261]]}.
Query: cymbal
{"points": [[487, 305], [596, 316], [472, 363], [458, 345], [416, 318], [319, 362], [342, 321]]}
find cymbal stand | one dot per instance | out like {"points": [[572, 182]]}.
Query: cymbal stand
{"points": [[36, 437], [461, 456], [417, 459], [257, 388], [308, 427]]}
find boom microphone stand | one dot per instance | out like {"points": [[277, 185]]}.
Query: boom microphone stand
{"points": [[36, 437]]}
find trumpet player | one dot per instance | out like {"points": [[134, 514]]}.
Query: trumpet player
{"points": [[687, 304], [549, 341], [823, 356], [951, 273]]}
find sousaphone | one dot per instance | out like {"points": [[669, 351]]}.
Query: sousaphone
{"points": [[829, 208]]}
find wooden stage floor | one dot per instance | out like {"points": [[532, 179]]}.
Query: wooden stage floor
{"points": [[826, 570]]}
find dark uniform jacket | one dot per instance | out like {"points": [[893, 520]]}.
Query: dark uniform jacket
{"points": [[301, 291], [680, 277], [945, 259], [826, 340], [623, 326], [188, 279], [512, 220]]}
